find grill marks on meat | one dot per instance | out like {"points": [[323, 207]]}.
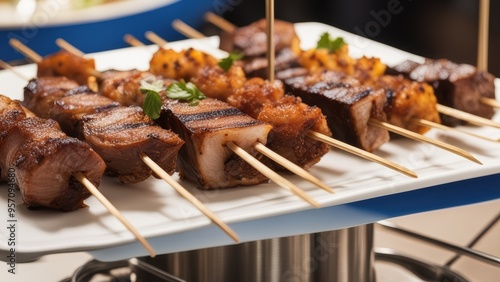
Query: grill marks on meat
{"points": [[68, 110], [40, 94], [122, 134], [126, 133], [66, 64], [459, 86], [44, 160], [348, 107], [204, 159]]}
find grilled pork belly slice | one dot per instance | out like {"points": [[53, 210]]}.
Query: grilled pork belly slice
{"points": [[458, 86], [120, 135], [348, 108], [69, 110], [257, 66], [44, 160], [64, 63], [206, 128], [291, 121], [41, 93]]}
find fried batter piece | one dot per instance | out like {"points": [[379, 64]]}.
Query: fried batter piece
{"points": [[64, 63], [408, 100], [254, 94], [291, 121], [216, 83], [180, 65]]}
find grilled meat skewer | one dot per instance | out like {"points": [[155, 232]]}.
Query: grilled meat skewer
{"points": [[44, 160], [459, 86], [129, 132]]}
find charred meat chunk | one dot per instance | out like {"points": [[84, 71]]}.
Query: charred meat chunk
{"points": [[291, 121], [206, 128], [44, 160], [122, 134], [41, 93], [347, 107]]}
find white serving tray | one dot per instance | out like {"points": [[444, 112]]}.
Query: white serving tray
{"points": [[171, 224]]}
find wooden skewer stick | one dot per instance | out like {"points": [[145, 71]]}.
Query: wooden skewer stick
{"points": [[431, 124], [113, 210], [27, 52], [482, 48], [219, 22], [188, 196], [68, 47], [13, 70], [153, 37], [179, 188], [361, 153], [422, 138], [466, 116], [490, 102], [186, 29], [270, 39], [291, 166], [356, 151], [278, 179], [132, 40]]}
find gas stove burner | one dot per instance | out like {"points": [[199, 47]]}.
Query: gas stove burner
{"points": [[120, 271]]}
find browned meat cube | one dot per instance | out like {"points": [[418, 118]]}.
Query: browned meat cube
{"points": [[41, 93], [206, 128], [348, 108], [44, 160], [120, 135], [291, 121]]}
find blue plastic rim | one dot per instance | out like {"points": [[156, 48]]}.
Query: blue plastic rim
{"points": [[108, 34]]}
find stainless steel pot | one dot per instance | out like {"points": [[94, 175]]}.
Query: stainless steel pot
{"points": [[342, 255]]}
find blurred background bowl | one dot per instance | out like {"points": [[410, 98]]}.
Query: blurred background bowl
{"points": [[91, 25]]}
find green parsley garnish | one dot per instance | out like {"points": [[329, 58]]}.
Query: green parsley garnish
{"points": [[152, 100], [327, 42], [228, 61], [186, 92]]}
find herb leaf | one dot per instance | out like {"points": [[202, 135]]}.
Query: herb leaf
{"points": [[228, 61], [327, 42], [152, 101], [152, 104], [185, 91]]}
